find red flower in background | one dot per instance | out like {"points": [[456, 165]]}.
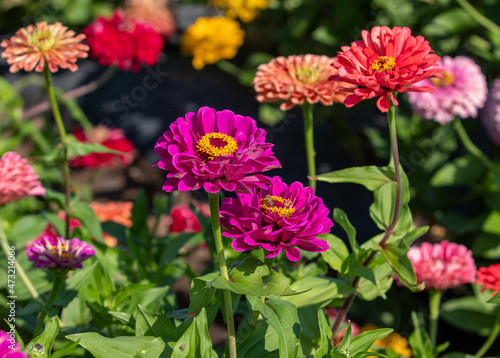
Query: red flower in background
{"points": [[489, 277], [111, 138], [123, 42], [182, 219]]}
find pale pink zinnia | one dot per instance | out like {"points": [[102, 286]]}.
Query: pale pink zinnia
{"points": [[277, 218], [490, 115], [461, 92], [9, 348], [17, 179], [215, 150], [443, 265], [296, 79]]}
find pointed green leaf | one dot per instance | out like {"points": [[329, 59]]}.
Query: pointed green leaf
{"points": [[402, 266], [47, 337], [200, 294], [84, 212], [325, 335], [336, 255], [195, 342], [495, 299], [260, 340], [365, 340], [461, 171], [318, 290], [79, 149], [340, 217], [156, 325], [65, 351], [371, 177]]}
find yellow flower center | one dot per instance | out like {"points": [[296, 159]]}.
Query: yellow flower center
{"points": [[443, 82], [277, 204], [384, 63], [307, 74], [215, 144], [43, 40]]}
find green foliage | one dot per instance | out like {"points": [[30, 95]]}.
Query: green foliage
{"points": [[372, 178]]}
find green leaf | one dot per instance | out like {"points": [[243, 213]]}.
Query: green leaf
{"points": [[270, 114], [65, 351], [195, 342], [346, 341], [382, 209], [84, 212], [365, 340], [461, 171], [47, 337], [487, 246], [340, 217], [282, 316], [124, 317], [200, 294], [76, 282], [402, 266], [80, 149], [260, 340], [11, 103], [468, 314], [26, 228], [140, 212], [492, 223], [336, 255], [156, 325], [325, 335], [449, 22], [495, 299], [371, 177], [317, 290]]}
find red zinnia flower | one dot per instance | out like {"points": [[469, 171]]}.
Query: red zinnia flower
{"points": [[385, 61], [123, 42], [182, 219], [489, 277]]}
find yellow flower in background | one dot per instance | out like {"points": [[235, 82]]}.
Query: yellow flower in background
{"points": [[211, 39], [394, 341], [245, 10]]}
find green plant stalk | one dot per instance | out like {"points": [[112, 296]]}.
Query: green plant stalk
{"points": [[480, 18], [418, 334], [59, 278], [221, 260], [62, 134], [493, 336], [5, 248], [307, 111], [434, 303]]}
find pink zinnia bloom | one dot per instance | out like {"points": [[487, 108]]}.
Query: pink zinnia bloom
{"points": [[182, 219], [215, 150], [58, 253], [296, 79], [489, 278], [112, 138], [17, 179], [461, 92], [154, 12], [277, 218], [386, 60], [9, 348], [443, 265], [490, 115], [123, 42]]}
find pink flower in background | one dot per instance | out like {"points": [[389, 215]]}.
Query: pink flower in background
{"points": [[461, 92], [490, 115], [17, 179], [123, 42], [277, 218], [443, 265], [58, 253], [6, 342], [489, 278], [154, 12], [182, 219], [386, 60], [215, 150]]}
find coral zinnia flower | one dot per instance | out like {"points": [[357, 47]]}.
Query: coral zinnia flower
{"points": [[489, 278], [32, 47], [490, 115], [58, 253], [295, 79], [245, 10], [461, 92], [211, 39], [9, 348], [215, 150], [118, 212], [385, 61], [123, 42], [394, 341], [277, 218], [443, 265], [154, 12], [17, 179], [111, 138]]}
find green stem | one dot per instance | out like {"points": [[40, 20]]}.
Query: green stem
{"points": [[480, 18], [230, 68], [59, 278], [434, 303], [493, 336], [307, 110], [214, 212], [418, 334], [5, 247], [62, 134]]}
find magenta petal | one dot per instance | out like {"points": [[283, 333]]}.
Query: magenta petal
{"points": [[292, 253]]}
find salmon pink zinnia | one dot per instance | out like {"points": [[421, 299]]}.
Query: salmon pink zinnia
{"points": [[489, 278], [277, 218], [215, 150], [385, 61]]}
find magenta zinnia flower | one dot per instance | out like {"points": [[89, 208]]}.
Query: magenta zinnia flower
{"points": [[215, 150], [443, 265], [461, 92], [490, 115], [9, 348], [17, 179], [386, 60], [277, 218], [58, 253]]}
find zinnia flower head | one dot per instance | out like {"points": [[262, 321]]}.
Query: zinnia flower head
{"points": [[296, 79], [112, 138], [245, 10], [123, 42], [33, 47], [490, 115], [17, 179], [277, 218], [461, 92], [215, 150], [385, 61], [182, 219], [443, 265], [394, 341], [118, 212], [9, 348], [211, 39], [489, 278], [59, 253], [154, 12]]}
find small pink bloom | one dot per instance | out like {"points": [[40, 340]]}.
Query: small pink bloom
{"points": [[489, 278], [490, 115], [443, 265], [154, 12], [9, 348], [17, 179]]}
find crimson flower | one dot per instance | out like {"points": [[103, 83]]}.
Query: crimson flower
{"points": [[489, 278], [182, 219], [385, 61]]}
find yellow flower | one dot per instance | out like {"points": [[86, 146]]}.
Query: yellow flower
{"points": [[246, 10], [394, 341], [211, 39]]}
